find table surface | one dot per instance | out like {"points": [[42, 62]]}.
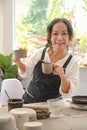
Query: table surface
{"points": [[72, 120], [65, 123]]}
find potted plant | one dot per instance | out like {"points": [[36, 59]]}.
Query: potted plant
{"points": [[8, 69]]}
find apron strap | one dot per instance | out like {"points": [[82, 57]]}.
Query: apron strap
{"points": [[67, 62], [43, 53]]}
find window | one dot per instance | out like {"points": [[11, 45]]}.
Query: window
{"points": [[33, 16]]}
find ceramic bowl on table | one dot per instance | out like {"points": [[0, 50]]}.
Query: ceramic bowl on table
{"points": [[79, 102], [40, 108], [21, 117], [31, 113], [15, 103], [7, 122], [80, 99], [33, 126]]}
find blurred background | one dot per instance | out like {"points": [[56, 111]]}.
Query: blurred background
{"points": [[33, 16]]}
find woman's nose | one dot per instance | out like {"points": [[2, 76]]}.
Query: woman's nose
{"points": [[59, 37]]}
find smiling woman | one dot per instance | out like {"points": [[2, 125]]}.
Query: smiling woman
{"points": [[61, 80]]}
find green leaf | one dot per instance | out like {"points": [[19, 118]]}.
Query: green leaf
{"points": [[9, 70], [6, 60]]}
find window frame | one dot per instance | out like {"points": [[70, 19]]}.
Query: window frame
{"points": [[7, 26]]}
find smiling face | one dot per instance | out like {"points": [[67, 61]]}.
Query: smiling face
{"points": [[59, 36], [59, 33]]}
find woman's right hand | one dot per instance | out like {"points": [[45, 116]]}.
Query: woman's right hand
{"points": [[15, 59], [20, 65]]}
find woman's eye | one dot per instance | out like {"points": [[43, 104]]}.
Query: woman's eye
{"points": [[64, 33], [55, 34]]}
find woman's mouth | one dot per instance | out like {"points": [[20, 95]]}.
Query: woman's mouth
{"points": [[60, 43]]}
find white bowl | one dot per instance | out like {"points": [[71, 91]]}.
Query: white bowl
{"points": [[7, 122]]}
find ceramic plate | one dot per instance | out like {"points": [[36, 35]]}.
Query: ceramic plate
{"points": [[78, 106], [79, 99], [37, 106]]}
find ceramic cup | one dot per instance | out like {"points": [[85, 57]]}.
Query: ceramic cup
{"points": [[7, 122], [47, 67], [55, 107], [21, 117], [20, 53], [15, 103], [33, 126], [31, 113]]}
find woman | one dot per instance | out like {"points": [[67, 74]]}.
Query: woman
{"points": [[65, 75]]}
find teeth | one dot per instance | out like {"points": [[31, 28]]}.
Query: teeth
{"points": [[60, 42]]}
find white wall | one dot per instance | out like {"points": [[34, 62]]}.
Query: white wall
{"points": [[1, 21], [6, 26], [82, 89]]}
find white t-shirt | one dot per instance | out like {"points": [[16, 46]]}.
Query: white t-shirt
{"points": [[71, 71]]}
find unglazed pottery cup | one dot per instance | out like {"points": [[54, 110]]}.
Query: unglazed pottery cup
{"points": [[47, 67], [33, 126], [7, 122], [21, 117], [55, 107], [31, 113], [20, 53], [15, 103]]}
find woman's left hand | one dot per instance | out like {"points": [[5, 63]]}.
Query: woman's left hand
{"points": [[58, 70], [65, 83]]}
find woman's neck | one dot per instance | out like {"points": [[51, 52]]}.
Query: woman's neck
{"points": [[57, 55]]}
